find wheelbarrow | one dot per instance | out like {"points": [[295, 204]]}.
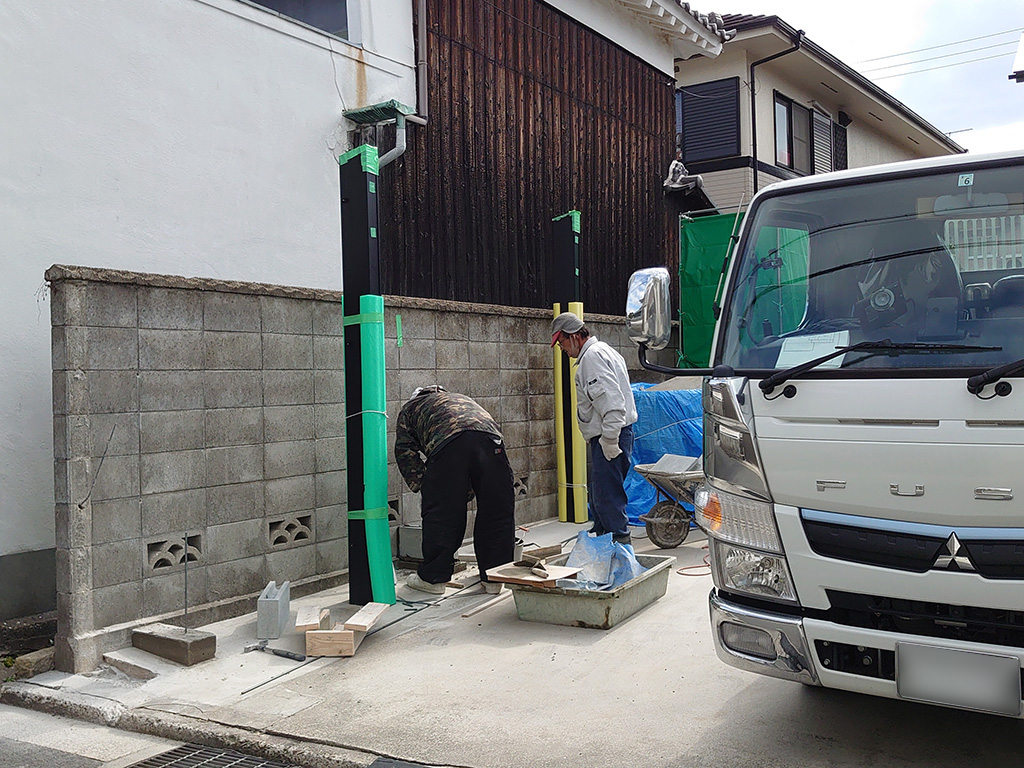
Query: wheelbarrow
{"points": [[676, 478]]}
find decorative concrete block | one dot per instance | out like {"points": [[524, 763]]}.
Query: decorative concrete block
{"points": [[161, 350], [184, 646], [232, 350], [272, 610]]}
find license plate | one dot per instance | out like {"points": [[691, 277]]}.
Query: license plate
{"points": [[981, 681]]}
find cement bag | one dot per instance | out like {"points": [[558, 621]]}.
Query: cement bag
{"points": [[605, 563]]}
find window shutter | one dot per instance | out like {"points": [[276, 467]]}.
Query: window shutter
{"points": [[839, 159], [709, 119], [822, 143]]}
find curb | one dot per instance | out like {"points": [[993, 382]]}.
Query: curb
{"points": [[181, 728]]}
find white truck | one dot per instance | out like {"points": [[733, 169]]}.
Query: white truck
{"points": [[864, 432]]}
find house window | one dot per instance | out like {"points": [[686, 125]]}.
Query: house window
{"points": [[328, 15], [708, 120], [792, 135]]}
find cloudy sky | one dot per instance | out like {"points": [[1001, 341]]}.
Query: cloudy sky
{"points": [[979, 38]]}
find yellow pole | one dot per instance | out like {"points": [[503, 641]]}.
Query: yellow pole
{"points": [[570, 448]]}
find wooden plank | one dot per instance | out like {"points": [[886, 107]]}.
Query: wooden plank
{"points": [[333, 642], [366, 616], [513, 574], [541, 553], [312, 618], [501, 596]]}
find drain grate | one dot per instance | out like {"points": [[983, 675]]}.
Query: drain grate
{"points": [[194, 756]]}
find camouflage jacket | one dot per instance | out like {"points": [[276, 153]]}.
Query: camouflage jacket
{"points": [[428, 422]]}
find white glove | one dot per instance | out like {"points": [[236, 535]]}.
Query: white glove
{"points": [[609, 447]]}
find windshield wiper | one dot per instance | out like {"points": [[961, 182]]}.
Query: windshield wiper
{"points": [[883, 347], [977, 383]]}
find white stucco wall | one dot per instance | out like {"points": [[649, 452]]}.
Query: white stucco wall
{"points": [[192, 137], [627, 30]]}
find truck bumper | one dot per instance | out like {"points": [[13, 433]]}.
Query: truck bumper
{"points": [[760, 641]]}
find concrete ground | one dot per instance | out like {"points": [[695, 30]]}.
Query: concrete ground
{"points": [[490, 691]]}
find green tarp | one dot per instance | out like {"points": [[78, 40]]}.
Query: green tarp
{"points": [[704, 243]]}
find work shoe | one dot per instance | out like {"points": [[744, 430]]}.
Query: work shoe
{"points": [[623, 538], [492, 587], [416, 582]]}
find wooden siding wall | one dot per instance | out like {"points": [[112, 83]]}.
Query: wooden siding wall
{"points": [[530, 115]]}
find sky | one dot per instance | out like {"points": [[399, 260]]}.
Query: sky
{"points": [[972, 101]]}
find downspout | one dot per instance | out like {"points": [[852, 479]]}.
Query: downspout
{"points": [[753, 94], [421, 89]]}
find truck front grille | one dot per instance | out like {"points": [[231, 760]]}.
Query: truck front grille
{"points": [[917, 552], [915, 617]]}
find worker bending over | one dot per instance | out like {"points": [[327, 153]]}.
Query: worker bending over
{"points": [[464, 455]]}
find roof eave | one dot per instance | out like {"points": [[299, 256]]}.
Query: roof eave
{"points": [[690, 33], [862, 82]]}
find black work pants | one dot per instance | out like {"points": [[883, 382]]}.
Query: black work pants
{"points": [[470, 460]]}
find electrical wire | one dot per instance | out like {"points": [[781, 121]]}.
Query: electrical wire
{"points": [[944, 45], [944, 66], [936, 58], [685, 570]]}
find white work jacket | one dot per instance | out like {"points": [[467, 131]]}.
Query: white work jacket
{"points": [[604, 401]]}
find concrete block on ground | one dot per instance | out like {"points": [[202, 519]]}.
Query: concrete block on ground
{"points": [[272, 610], [186, 647], [34, 663]]}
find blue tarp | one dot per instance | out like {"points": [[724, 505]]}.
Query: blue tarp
{"points": [[668, 421]]}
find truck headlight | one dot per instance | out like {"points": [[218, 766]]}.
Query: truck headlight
{"points": [[739, 569]]}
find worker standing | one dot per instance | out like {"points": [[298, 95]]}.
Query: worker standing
{"points": [[449, 448], [606, 413]]}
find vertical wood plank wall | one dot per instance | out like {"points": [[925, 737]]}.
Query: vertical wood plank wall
{"points": [[530, 115]]}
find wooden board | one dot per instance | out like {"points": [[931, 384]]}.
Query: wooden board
{"points": [[333, 642], [366, 616], [514, 574], [312, 618]]}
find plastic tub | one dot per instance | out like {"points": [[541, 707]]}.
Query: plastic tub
{"points": [[591, 608]]}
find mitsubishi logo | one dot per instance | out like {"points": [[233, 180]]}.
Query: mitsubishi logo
{"points": [[952, 556]]}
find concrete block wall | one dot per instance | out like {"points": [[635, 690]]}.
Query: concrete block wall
{"points": [[199, 437]]}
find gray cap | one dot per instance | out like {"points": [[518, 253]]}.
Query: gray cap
{"points": [[566, 323]]}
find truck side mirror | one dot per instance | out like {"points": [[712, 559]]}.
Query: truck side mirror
{"points": [[647, 312]]}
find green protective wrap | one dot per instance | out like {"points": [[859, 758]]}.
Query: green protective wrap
{"points": [[704, 242], [575, 221], [369, 159], [375, 447]]}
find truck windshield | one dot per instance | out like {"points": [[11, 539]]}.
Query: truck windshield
{"points": [[928, 258]]}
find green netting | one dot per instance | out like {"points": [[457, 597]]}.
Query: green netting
{"points": [[704, 243]]}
